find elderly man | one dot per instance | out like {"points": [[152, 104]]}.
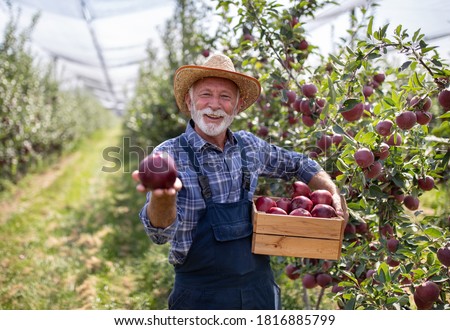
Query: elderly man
{"points": [[206, 216]]}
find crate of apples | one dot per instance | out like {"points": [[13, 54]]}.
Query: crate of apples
{"points": [[302, 225]]}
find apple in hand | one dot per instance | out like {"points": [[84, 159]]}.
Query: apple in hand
{"points": [[158, 171], [321, 196], [323, 211]]}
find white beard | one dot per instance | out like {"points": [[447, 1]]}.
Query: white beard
{"points": [[211, 129]]}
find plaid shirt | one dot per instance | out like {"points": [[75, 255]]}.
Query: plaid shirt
{"points": [[223, 169]]}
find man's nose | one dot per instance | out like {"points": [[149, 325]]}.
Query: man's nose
{"points": [[214, 103]]}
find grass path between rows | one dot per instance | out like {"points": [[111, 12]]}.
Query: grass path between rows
{"points": [[70, 238]]}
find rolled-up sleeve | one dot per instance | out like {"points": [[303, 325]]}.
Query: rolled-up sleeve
{"points": [[157, 235]]}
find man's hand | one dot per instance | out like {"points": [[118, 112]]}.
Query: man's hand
{"points": [[157, 192], [340, 206]]}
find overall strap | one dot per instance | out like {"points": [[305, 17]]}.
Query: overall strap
{"points": [[245, 170], [202, 179]]}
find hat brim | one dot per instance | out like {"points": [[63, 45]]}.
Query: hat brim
{"points": [[186, 76]]}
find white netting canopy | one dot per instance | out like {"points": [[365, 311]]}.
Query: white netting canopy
{"points": [[99, 44]]}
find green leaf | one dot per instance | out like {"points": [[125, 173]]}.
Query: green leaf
{"points": [[332, 91], [348, 104], [433, 232], [398, 30], [445, 115], [336, 60], [404, 66], [383, 273], [369, 27]]}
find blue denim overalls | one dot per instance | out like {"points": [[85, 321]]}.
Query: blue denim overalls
{"points": [[220, 271]]}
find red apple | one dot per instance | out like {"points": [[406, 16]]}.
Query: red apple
{"points": [[324, 279], [264, 203], [392, 244], [300, 189], [443, 255], [361, 227], [309, 90], [301, 202], [291, 96], [384, 127], [324, 142], [364, 157], [309, 281], [321, 102], [205, 52], [411, 202], [300, 212], [383, 151], [421, 304], [306, 108], [426, 183], [423, 118], [285, 204], [292, 271], [367, 91], [276, 210], [394, 140], [428, 292], [263, 131], [337, 139], [350, 228], [323, 211], [354, 113], [379, 77], [308, 121], [303, 45], [374, 170], [387, 230], [321, 196], [418, 104], [444, 98], [336, 288], [406, 120], [158, 171]]}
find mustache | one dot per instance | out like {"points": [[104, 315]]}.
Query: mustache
{"points": [[209, 111]]}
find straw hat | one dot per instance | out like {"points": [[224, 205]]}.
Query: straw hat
{"points": [[216, 66]]}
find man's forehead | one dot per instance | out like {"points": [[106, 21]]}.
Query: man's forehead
{"points": [[215, 81]]}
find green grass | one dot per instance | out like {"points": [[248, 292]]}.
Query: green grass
{"points": [[78, 243]]}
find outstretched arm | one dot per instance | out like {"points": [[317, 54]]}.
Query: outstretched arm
{"points": [[162, 208]]}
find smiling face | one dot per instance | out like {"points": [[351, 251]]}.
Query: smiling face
{"points": [[213, 103]]}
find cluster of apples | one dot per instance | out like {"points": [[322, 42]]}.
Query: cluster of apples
{"points": [[303, 202]]}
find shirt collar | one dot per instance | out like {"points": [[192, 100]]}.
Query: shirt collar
{"points": [[198, 143]]}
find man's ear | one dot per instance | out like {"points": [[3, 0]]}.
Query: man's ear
{"points": [[187, 100]]}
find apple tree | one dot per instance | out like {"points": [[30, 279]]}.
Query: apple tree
{"points": [[374, 114]]}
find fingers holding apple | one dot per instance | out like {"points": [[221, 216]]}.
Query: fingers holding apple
{"points": [[177, 185], [339, 204]]}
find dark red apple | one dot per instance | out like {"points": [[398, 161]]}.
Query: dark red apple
{"points": [[364, 157], [205, 52], [423, 118], [428, 292], [367, 90], [426, 183], [421, 304], [336, 288], [264, 203], [421, 104], [300, 212], [292, 271], [308, 121], [411, 202], [392, 244], [379, 77], [303, 45], [361, 227], [337, 139], [263, 131], [324, 143], [300, 189], [383, 151], [384, 127], [306, 108], [309, 281], [387, 230], [291, 96], [392, 262], [321, 102], [444, 98], [354, 113], [374, 170], [443, 255], [350, 229], [285, 204], [323, 211], [324, 279], [406, 120], [394, 140], [321, 196], [276, 210], [158, 171], [302, 202], [309, 90]]}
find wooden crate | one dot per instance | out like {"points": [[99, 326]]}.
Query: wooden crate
{"points": [[295, 236]]}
